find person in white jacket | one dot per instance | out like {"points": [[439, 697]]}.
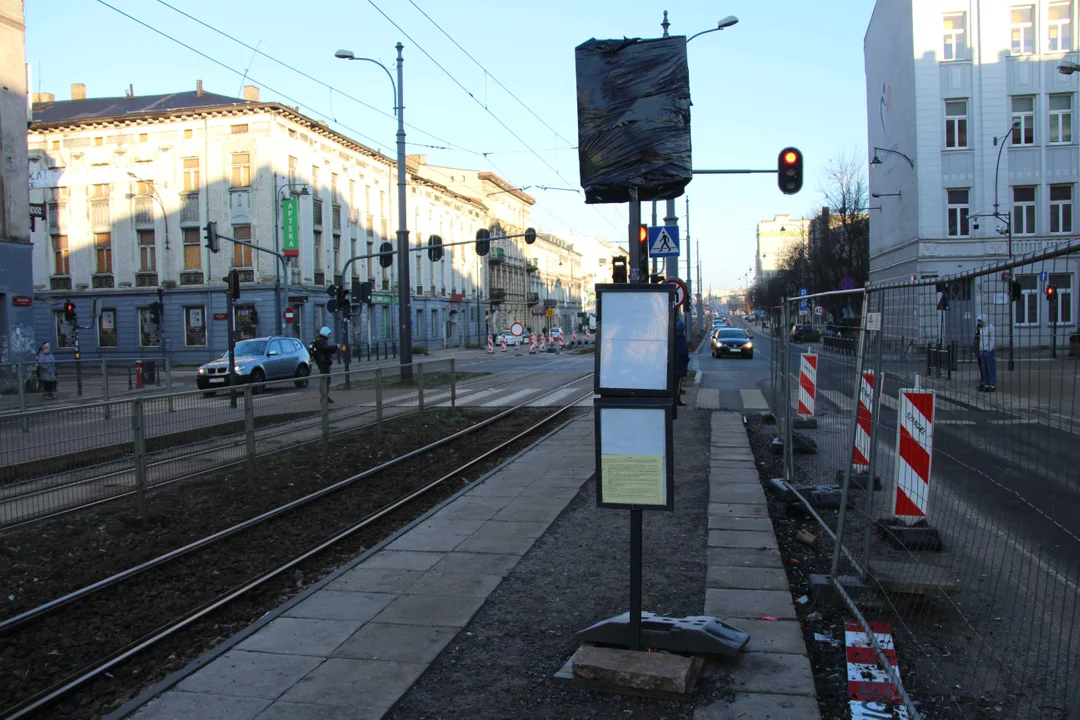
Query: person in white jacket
{"points": [[986, 337]]}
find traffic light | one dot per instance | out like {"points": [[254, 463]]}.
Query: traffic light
{"points": [[530, 236], [232, 282], [483, 244], [618, 269], [361, 292], [69, 312], [789, 171], [1050, 291], [212, 242], [339, 298], [386, 255], [435, 248], [1017, 294], [643, 250]]}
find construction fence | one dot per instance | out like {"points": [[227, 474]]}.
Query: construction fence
{"points": [[935, 439]]}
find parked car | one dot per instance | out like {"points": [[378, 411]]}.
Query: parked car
{"points": [[732, 341], [256, 360], [801, 331], [555, 334], [511, 341]]}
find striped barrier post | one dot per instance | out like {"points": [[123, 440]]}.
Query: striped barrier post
{"points": [[573, 338], [914, 451], [860, 461], [491, 344], [543, 343], [532, 343], [808, 363], [588, 335], [502, 343], [871, 691]]}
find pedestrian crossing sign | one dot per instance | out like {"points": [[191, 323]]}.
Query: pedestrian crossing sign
{"points": [[664, 241]]}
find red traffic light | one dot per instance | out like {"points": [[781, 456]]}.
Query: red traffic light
{"points": [[643, 233], [789, 170], [790, 157], [70, 307], [1049, 290]]}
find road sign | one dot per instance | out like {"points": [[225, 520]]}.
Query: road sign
{"points": [[517, 329], [664, 241], [549, 313], [803, 291], [1044, 276], [847, 283], [290, 213], [804, 306], [680, 291], [288, 315], [819, 311]]}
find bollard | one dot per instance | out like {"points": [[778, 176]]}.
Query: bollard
{"points": [[378, 403], [168, 380], [105, 387], [20, 373], [420, 384], [130, 386], [249, 430], [138, 374], [138, 434], [324, 402], [453, 383]]}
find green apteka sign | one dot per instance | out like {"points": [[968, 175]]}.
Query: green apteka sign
{"points": [[290, 213]]}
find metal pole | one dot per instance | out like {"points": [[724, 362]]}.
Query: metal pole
{"points": [[378, 403], [107, 410], [420, 386], [875, 422], [453, 384], [230, 326], [168, 379], [277, 268], [20, 372], [785, 390], [139, 441], [249, 430], [635, 580], [1012, 310], [655, 261], [671, 264], [634, 274], [689, 278], [324, 406], [404, 286]]}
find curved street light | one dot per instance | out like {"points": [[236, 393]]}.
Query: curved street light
{"points": [[154, 194], [877, 161]]}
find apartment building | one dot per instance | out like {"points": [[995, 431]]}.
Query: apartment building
{"points": [[775, 238]]}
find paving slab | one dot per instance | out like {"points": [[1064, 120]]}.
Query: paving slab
{"points": [[301, 636], [782, 636], [429, 541], [376, 579], [741, 539], [761, 706], [744, 557], [455, 583], [450, 525], [502, 541], [739, 603], [180, 705], [342, 605], [746, 578], [358, 683], [770, 673], [444, 611], [404, 560], [281, 710], [721, 521], [740, 494], [250, 674], [400, 643], [735, 476], [749, 510], [484, 563]]}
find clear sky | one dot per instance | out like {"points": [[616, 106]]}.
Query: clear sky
{"points": [[790, 73]]}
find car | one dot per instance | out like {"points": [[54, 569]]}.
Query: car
{"points": [[256, 360], [511, 340], [800, 331], [731, 341], [555, 334]]}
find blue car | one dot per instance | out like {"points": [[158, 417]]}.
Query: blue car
{"points": [[257, 360]]}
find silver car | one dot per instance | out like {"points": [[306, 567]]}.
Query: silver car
{"points": [[256, 360]]}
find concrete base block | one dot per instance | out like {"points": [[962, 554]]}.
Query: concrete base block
{"points": [[766, 417], [822, 590], [779, 487], [807, 423], [918, 537], [633, 672], [800, 443], [859, 480]]}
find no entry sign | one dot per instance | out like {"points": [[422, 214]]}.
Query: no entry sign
{"points": [[289, 315], [680, 294]]}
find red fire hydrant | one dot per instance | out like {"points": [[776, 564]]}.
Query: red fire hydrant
{"points": [[138, 373]]}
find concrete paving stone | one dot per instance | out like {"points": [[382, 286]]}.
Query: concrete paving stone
{"points": [[731, 454], [744, 557], [427, 542], [518, 528], [739, 494], [340, 605], [307, 711], [449, 524], [755, 510], [746, 578], [250, 674], [356, 683], [721, 521], [300, 636], [375, 579], [547, 492], [782, 636], [502, 543], [565, 482], [482, 563], [734, 603], [721, 466], [403, 560], [400, 643], [761, 706], [441, 610], [742, 539], [178, 705], [734, 476], [724, 438], [543, 516], [455, 583], [477, 510], [770, 673], [496, 489]]}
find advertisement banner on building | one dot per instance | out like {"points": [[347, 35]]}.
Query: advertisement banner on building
{"points": [[290, 213]]}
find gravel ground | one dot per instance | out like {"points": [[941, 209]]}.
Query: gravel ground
{"points": [[501, 665], [45, 561]]}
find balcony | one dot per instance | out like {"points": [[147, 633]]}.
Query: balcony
{"points": [[497, 295], [191, 277], [189, 208], [320, 278], [146, 279], [533, 298], [60, 282], [144, 211], [551, 302], [335, 217], [99, 215], [103, 281], [532, 265], [316, 212], [497, 256]]}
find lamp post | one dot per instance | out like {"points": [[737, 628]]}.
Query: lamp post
{"points": [[165, 219], [279, 282], [404, 289]]}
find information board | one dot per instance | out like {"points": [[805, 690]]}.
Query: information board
{"points": [[635, 467], [636, 328]]}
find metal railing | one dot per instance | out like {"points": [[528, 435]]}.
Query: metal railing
{"points": [[943, 456]]}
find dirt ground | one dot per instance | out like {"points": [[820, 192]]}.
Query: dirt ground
{"points": [[501, 665], [44, 561]]}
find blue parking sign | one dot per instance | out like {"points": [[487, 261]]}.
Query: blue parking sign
{"points": [[803, 307]]}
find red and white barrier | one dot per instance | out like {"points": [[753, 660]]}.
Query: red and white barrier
{"points": [[873, 695], [573, 337], [491, 344], [543, 343], [588, 335], [860, 460], [807, 384], [560, 340], [914, 450], [532, 343], [502, 342]]}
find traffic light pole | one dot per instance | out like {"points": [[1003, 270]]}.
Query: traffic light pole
{"points": [[231, 327]]}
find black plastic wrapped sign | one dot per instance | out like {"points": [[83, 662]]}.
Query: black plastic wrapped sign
{"points": [[633, 118]]}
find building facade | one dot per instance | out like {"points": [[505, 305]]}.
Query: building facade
{"points": [[774, 238], [597, 256], [968, 115], [18, 340]]}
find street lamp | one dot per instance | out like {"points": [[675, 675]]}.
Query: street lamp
{"points": [[1068, 67], [881, 195], [877, 160], [154, 194], [404, 289], [279, 282]]}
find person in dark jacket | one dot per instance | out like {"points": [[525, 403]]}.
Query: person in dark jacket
{"points": [[46, 367], [682, 356], [323, 354]]}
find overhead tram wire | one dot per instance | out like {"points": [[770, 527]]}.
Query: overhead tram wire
{"points": [[316, 80]]}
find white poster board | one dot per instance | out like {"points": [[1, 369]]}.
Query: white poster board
{"points": [[634, 341], [633, 458]]}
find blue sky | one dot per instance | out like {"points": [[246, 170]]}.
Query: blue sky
{"points": [[790, 73]]}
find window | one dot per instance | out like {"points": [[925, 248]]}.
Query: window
{"points": [[143, 137], [238, 129], [317, 256], [246, 322], [956, 124], [195, 326], [107, 329], [103, 252], [314, 181], [1059, 30], [1061, 301], [1061, 209], [1023, 216], [65, 336], [191, 174], [1023, 112], [958, 212], [242, 253], [337, 253], [144, 187], [333, 187], [352, 253], [147, 251], [1061, 118], [187, 134], [241, 170], [149, 334], [100, 191], [292, 171], [955, 47], [1023, 30], [192, 249], [62, 255], [1027, 307]]}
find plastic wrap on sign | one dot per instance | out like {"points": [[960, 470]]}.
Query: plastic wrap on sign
{"points": [[633, 118]]}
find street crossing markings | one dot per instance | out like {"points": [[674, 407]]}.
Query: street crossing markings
{"points": [[556, 397], [469, 397], [510, 399]]}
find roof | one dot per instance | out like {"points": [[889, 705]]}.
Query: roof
{"points": [[121, 107], [516, 192]]}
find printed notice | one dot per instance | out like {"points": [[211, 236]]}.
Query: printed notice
{"points": [[632, 479]]}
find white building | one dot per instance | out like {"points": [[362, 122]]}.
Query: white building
{"points": [[596, 264], [944, 79], [775, 238]]}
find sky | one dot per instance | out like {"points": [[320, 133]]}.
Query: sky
{"points": [[490, 85]]}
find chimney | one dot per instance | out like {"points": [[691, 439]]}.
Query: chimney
{"points": [[43, 98], [198, 88], [130, 91], [78, 91], [251, 93]]}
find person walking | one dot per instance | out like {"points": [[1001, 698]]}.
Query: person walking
{"points": [[46, 367], [986, 341], [323, 354], [682, 358]]}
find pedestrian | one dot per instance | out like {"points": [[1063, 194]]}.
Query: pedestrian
{"points": [[986, 341], [323, 352], [682, 358], [46, 368]]}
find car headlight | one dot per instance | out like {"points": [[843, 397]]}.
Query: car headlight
{"points": [[748, 345], [239, 369], [202, 371]]}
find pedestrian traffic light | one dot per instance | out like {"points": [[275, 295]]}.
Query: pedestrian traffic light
{"points": [[1050, 291], [789, 170], [483, 243], [361, 292], [530, 236], [435, 248], [69, 312], [386, 255], [212, 242], [643, 251]]}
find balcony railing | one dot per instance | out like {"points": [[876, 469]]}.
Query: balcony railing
{"points": [[103, 281], [191, 277], [335, 216], [60, 282], [532, 264], [99, 214], [144, 211], [146, 279], [497, 295], [317, 212], [497, 256], [189, 208], [533, 298]]}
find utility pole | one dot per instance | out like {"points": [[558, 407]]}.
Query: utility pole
{"points": [[671, 266], [404, 286], [689, 276]]}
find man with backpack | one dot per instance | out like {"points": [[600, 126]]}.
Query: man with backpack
{"points": [[322, 352]]}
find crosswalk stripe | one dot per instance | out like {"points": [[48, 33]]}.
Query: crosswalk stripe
{"points": [[464, 398], [556, 397], [509, 399]]}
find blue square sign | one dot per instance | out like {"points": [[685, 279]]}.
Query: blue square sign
{"points": [[664, 241]]}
